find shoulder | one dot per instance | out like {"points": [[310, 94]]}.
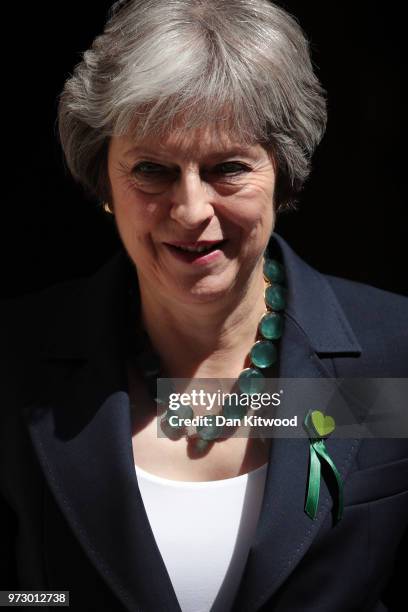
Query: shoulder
{"points": [[379, 320], [341, 316], [369, 307], [25, 318], [25, 324]]}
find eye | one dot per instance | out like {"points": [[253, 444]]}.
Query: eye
{"points": [[148, 170], [231, 168]]}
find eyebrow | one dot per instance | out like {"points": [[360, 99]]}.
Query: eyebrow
{"points": [[239, 150]]}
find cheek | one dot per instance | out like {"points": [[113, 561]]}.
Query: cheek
{"points": [[138, 214], [250, 208]]}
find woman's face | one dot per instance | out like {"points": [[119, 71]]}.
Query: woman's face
{"points": [[192, 190]]}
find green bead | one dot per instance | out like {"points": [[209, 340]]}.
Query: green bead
{"points": [[163, 391], [273, 271], [251, 381], [174, 433], [271, 326], [275, 297], [233, 409], [182, 412], [263, 354], [211, 431], [201, 445]]}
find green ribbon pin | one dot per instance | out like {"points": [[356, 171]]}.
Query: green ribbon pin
{"points": [[319, 426]]}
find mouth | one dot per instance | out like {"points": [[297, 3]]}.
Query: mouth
{"points": [[199, 253]]}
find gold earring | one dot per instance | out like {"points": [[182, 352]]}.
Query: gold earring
{"points": [[106, 207]]}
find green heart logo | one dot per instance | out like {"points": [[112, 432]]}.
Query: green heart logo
{"points": [[323, 424]]}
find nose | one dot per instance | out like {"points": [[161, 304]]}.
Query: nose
{"points": [[191, 205]]}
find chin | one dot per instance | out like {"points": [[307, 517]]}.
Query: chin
{"points": [[205, 292]]}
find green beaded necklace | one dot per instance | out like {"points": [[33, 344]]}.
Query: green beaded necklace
{"points": [[262, 356]]}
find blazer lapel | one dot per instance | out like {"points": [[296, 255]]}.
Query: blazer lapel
{"points": [[284, 531], [81, 431]]}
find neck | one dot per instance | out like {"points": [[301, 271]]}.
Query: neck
{"points": [[204, 339]]}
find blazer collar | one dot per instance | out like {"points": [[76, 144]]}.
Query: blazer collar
{"points": [[80, 428], [325, 323]]}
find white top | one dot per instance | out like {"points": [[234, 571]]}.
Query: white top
{"points": [[204, 531]]}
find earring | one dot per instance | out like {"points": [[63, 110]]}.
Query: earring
{"points": [[106, 207]]}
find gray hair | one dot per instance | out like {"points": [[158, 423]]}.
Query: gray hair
{"points": [[241, 65]]}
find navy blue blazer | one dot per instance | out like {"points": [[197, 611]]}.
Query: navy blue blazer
{"points": [[71, 514]]}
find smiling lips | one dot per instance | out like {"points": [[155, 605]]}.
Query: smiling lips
{"points": [[197, 247]]}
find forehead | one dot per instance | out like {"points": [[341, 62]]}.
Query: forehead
{"points": [[195, 143]]}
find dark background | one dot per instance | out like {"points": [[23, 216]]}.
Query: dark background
{"points": [[352, 220]]}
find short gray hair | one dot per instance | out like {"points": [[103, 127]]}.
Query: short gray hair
{"points": [[242, 65]]}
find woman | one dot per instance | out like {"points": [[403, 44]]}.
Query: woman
{"points": [[194, 122]]}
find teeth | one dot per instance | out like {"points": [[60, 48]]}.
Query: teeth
{"points": [[196, 249]]}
